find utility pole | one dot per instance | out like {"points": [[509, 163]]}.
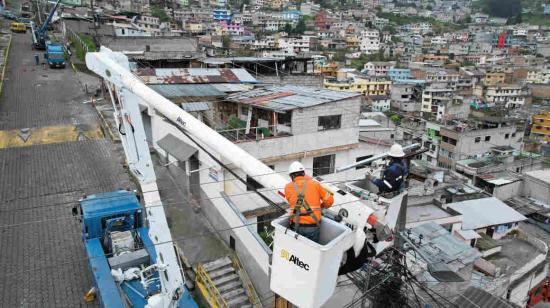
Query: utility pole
{"points": [[281, 302]]}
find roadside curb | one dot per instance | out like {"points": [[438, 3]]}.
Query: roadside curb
{"points": [[6, 55], [105, 124]]}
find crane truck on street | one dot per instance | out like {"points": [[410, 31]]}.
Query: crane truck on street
{"points": [[40, 34], [346, 234]]}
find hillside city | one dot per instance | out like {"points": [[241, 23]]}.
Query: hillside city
{"points": [[463, 86]]}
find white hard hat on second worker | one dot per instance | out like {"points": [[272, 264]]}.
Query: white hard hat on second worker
{"points": [[396, 150], [296, 167]]}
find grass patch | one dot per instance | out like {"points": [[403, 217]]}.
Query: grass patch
{"points": [[80, 52], [88, 41]]}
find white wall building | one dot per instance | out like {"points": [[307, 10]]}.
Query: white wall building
{"points": [[370, 41], [508, 95], [295, 44]]}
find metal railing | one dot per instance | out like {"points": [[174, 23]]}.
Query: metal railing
{"points": [[77, 38], [247, 284], [209, 290], [256, 133]]}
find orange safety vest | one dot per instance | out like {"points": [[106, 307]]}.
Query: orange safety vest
{"points": [[315, 197]]}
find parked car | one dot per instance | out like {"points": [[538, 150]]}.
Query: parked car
{"points": [[18, 27], [9, 15], [26, 21]]}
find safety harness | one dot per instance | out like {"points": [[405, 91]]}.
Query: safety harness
{"points": [[301, 202]]}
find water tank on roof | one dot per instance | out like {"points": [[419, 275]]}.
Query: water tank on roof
{"points": [[305, 272]]}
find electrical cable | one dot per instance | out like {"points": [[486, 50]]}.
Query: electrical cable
{"points": [[156, 190], [173, 241]]}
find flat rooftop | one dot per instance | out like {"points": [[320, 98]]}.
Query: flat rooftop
{"points": [[543, 175], [429, 212], [515, 253], [484, 212]]}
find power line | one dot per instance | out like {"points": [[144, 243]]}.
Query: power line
{"points": [[152, 206], [173, 241]]}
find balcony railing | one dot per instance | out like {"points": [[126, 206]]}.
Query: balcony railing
{"points": [[256, 133]]}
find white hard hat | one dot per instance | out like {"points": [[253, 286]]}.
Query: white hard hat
{"points": [[296, 167], [396, 150]]}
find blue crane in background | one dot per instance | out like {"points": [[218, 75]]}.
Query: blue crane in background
{"points": [[40, 35]]}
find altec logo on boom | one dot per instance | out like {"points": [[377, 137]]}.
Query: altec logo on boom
{"points": [[293, 259]]}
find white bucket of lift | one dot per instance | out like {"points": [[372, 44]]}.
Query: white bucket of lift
{"points": [[305, 272]]}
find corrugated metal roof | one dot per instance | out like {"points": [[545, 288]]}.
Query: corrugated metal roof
{"points": [[194, 75], [289, 97], [444, 253], [479, 213], [232, 87], [475, 297], [239, 59], [195, 106], [186, 90]]}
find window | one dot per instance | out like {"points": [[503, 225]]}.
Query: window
{"points": [[506, 136], [329, 122], [487, 138], [513, 135], [360, 158], [323, 165], [477, 140], [448, 140], [252, 184]]}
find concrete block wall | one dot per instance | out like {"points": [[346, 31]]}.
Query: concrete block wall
{"points": [[220, 214], [305, 121]]}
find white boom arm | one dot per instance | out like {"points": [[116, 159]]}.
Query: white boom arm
{"points": [[113, 67]]}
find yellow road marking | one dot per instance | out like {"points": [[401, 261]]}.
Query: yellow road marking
{"points": [[47, 135]]}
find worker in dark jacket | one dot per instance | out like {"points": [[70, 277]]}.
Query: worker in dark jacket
{"points": [[394, 175]]}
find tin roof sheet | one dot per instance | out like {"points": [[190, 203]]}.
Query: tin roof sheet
{"points": [[194, 75], [439, 246], [479, 213], [195, 106], [289, 97], [186, 90]]}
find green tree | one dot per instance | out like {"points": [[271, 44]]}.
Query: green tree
{"points": [[160, 13], [300, 27], [288, 28], [502, 8]]}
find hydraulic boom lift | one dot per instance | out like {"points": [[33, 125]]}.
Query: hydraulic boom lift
{"points": [[312, 268]]}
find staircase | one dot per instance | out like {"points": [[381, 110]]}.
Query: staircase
{"points": [[223, 283]]}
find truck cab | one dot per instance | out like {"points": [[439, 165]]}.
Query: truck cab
{"points": [[121, 256], [55, 55]]}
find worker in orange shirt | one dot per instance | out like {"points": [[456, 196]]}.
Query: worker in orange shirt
{"points": [[306, 198]]}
